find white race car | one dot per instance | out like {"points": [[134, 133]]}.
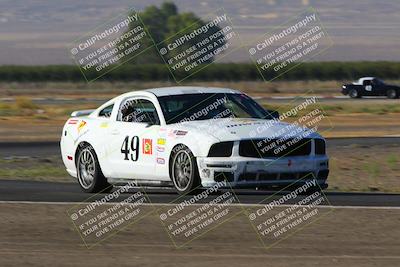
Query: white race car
{"points": [[189, 137]]}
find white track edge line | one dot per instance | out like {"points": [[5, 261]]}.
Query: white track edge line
{"points": [[199, 204]]}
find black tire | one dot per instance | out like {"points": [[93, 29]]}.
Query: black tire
{"points": [[392, 94], [90, 176], [353, 93], [183, 170]]}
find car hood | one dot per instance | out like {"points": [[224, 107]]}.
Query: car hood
{"points": [[241, 129]]}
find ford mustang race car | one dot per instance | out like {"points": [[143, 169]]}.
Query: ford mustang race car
{"points": [[189, 137]]}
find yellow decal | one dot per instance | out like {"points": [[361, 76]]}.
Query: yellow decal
{"points": [[161, 141], [104, 125], [81, 125]]}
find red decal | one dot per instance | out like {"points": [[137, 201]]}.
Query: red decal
{"points": [[147, 146]]}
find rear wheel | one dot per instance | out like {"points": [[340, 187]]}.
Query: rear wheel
{"points": [[90, 176], [392, 94], [354, 93], [184, 171]]}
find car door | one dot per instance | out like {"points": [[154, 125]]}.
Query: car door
{"points": [[132, 138], [368, 88], [378, 87]]}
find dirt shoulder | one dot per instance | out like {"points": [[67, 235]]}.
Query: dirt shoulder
{"points": [[22, 118], [43, 235], [27, 128]]}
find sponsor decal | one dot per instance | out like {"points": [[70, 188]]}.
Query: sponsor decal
{"points": [[147, 146], [160, 148], [81, 126], [160, 161], [175, 133], [240, 124], [104, 125], [180, 133], [161, 141], [73, 121]]}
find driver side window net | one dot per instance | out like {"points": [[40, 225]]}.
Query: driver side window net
{"points": [[367, 82], [139, 111]]}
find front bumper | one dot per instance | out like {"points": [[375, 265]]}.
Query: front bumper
{"points": [[252, 172]]}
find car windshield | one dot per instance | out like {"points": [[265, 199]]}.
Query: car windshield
{"points": [[206, 106]]}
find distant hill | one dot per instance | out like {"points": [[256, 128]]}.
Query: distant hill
{"points": [[37, 32]]}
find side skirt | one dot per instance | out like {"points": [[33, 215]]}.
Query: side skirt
{"points": [[149, 183]]}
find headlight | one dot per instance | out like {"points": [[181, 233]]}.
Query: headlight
{"points": [[223, 149], [344, 86]]}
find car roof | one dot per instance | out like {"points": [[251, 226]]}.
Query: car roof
{"points": [[182, 90], [176, 90], [359, 81], [367, 78]]}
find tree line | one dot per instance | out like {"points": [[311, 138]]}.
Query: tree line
{"points": [[214, 72]]}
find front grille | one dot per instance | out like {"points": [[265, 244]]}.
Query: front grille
{"points": [[276, 176], [222, 149], [306, 175], [248, 177], [288, 176], [263, 148], [267, 176], [320, 147]]}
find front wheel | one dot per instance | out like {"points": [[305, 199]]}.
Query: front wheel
{"points": [[354, 93], [90, 176], [183, 170]]}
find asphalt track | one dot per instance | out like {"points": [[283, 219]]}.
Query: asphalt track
{"points": [[70, 192]]}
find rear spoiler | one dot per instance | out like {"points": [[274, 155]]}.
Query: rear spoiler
{"points": [[80, 113]]}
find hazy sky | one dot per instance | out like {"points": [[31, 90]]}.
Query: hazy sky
{"points": [[39, 31]]}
